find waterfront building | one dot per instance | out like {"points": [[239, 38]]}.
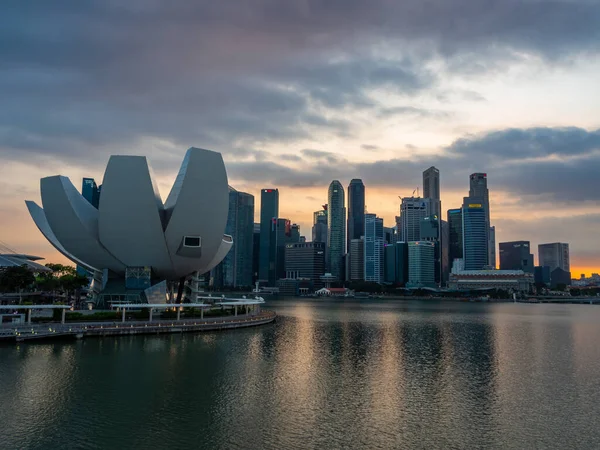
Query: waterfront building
{"points": [[455, 235], [389, 235], [135, 241], [336, 229], [237, 264], [475, 234], [559, 277], [554, 255], [431, 190], [412, 211], [269, 209], [373, 248], [305, 261], [514, 280], [421, 264], [357, 260], [478, 188], [516, 255], [541, 275], [396, 263], [356, 210]]}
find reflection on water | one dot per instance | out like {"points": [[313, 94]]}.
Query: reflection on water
{"points": [[325, 375]]}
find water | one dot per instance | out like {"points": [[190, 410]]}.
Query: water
{"points": [[326, 375]]}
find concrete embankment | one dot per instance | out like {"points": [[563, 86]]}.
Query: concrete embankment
{"points": [[98, 329]]}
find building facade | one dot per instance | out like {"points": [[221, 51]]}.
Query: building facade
{"points": [[306, 261], [91, 192], [373, 248], [431, 189], [421, 264], [396, 263], [269, 209], [455, 235], [357, 259], [412, 211], [319, 229], [336, 229], [516, 255], [431, 231], [237, 264], [554, 255], [478, 188], [255, 252], [475, 234], [356, 210], [515, 280]]}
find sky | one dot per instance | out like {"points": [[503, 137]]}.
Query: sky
{"points": [[297, 93]]}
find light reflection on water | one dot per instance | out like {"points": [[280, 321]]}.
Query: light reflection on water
{"points": [[326, 375]]}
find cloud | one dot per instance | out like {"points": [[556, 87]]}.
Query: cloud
{"points": [[369, 147], [411, 111]]}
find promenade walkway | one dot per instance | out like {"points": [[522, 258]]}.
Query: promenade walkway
{"points": [[28, 332]]}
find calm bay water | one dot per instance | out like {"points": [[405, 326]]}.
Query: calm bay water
{"points": [[385, 374]]}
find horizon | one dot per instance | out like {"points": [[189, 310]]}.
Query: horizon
{"points": [[298, 94]]}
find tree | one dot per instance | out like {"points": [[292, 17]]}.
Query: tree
{"points": [[72, 284], [16, 278], [60, 269]]}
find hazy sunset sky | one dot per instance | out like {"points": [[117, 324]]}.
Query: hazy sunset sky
{"points": [[296, 93]]}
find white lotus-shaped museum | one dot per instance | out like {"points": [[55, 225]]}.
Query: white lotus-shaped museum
{"points": [[132, 227]]}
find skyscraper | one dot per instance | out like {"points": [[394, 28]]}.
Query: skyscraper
{"points": [[554, 255], [91, 192], [255, 252], [396, 263], [431, 232], [478, 188], [455, 235], [475, 234], [412, 211], [319, 229], [516, 256], [237, 264], [281, 234], [356, 210], [306, 260], [357, 259], [336, 229], [421, 265], [374, 244], [269, 209], [431, 189]]}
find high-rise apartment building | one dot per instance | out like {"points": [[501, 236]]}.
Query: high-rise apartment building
{"points": [[554, 255], [421, 264], [269, 209], [455, 235], [431, 189], [516, 255], [374, 244], [336, 229], [356, 210], [412, 211], [91, 192], [475, 234], [305, 261], [478, 188], [357, 259], [237, 264]]}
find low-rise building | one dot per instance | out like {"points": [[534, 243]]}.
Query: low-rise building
{"points": [[515, 280]]}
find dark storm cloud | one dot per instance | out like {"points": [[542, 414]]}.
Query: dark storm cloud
{"points": [[509, 166], [100, 75]]}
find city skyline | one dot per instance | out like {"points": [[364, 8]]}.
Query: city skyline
{"points": [[298, 95]]}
